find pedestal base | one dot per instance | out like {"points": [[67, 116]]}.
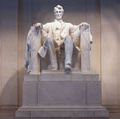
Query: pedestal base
{"points": [[62, 112], [55, 95]]}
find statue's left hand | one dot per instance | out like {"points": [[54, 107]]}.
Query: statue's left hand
{"points": [[83, 26]]}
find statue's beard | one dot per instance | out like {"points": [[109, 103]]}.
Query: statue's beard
{"points": [[58, 17]]}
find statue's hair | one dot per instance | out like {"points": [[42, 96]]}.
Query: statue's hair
{"points": [[59, 7]]}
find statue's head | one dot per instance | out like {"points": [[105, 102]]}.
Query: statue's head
{"points": [[58, 12]]}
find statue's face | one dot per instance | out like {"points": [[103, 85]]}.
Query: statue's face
{"points": [[58, 14]]}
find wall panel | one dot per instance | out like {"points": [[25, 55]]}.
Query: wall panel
{"points": [[8, 53]]}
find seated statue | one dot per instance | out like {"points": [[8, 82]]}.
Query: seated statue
{"points": [[59, 35]]}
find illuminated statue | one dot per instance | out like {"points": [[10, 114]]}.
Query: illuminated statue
{"points": [[59, 35]]}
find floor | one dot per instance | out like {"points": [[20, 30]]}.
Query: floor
{"points": [[10, 115], [114, 115]]}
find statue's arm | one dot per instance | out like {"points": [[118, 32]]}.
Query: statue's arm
{"points": [[43, 49], [84, 28], [28, 47], [45, 29]]}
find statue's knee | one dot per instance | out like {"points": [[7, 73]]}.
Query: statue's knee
{"points": [[68, 39]]}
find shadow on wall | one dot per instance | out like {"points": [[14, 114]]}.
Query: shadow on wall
{"points": [[75, 10], [11, 94], [110, 56], [110, 29]]}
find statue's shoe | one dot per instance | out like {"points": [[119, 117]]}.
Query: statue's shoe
{"points": [[68, 69], [51, 68]]}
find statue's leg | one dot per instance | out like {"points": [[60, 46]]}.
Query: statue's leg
{"points": [[52, 53], [68, 52]]}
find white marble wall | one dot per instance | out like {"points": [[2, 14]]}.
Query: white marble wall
{"points": [[18, 15], [110, 53]]}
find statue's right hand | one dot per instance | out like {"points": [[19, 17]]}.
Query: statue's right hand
{"points": [[38, 25]]}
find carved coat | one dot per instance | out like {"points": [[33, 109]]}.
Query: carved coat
{"points": [[57, 30]]}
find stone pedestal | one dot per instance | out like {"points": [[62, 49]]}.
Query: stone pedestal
{"points": [[58, 95]]}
